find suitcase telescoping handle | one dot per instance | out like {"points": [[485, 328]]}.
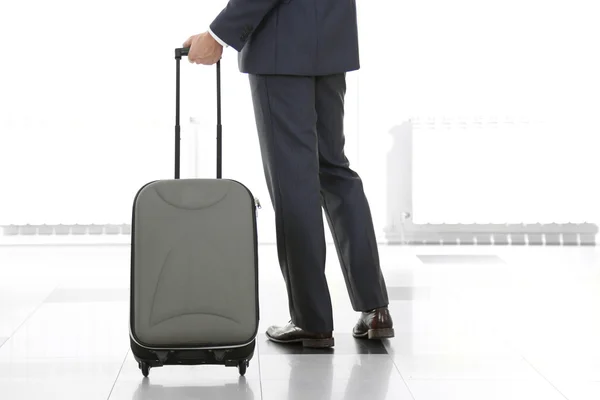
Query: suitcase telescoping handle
{"points": [[179, 53]]}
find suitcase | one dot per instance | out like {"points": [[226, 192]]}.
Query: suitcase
{"points": [[194, 267]]}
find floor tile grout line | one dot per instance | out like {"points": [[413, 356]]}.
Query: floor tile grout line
{"points": [[30, 315], [118, 375], [543, 377], [259, 370], [393, 359], [404, 381]]}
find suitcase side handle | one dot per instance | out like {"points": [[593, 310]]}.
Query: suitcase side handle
{"points": [[179, 53]]}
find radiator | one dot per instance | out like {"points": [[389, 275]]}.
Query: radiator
{"points": [[490, 181], [497, 171]]}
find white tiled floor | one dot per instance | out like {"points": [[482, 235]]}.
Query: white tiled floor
{"points": [[471, 323]]}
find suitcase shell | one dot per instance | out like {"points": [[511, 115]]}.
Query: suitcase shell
{"points": [[194, 271], [194, 275]]}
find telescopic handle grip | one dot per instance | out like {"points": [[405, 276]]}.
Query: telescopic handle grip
{"points": [[182, 52]]}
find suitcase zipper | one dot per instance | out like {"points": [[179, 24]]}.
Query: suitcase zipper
{"points": [[257, 203]]}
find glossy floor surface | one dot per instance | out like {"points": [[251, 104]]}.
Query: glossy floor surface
{"points": [[471, 323]]}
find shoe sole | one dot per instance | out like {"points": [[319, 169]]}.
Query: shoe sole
{"points": [[374, 334], [309, 343]]}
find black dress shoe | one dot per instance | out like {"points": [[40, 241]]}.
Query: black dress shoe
{"points": [[374, 324], [291, 334]]}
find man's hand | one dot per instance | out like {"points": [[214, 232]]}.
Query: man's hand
{"points": [[204, 49]]}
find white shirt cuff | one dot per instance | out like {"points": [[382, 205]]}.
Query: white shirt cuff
{"points": [[222, 43]]}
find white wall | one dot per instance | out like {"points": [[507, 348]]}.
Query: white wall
{"points": [[468, 60], [87, 107]]}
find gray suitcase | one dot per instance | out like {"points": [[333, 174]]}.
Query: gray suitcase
{"points": [[194, 267]]}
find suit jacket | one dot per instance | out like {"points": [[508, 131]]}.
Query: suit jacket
{"points": [[291, 37]]}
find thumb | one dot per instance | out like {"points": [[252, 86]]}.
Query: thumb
{"points": [[188, 43]]}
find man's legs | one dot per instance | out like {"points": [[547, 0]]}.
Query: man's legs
{"points": [[286, 121], [344, 201]]}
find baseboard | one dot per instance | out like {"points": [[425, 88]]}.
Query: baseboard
{"points": [[412, 234], [494, 234], [66, 230]]}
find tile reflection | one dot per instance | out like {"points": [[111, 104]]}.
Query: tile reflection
{"points": [[301, 388], [374, 384], [296, 377], [240, 390]]}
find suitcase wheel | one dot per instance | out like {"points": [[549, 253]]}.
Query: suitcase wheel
{"points": [[145, 368], [242, 366]]}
